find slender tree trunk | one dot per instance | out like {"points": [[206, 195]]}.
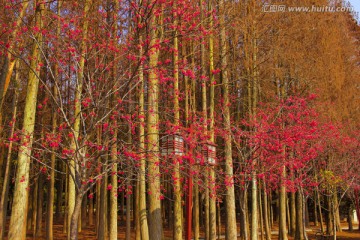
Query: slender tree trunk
{"points": [[212, 177], [114, 183], [128, 212], [155, 228], [76, 126], [51, 191], [282, 208], [219, 220], [142, 198], [261, 220], [337, 213], [292, 214], [39, 207], [316, 222], [6, 182], [266, 216], [59, 193], [84, 215], [244, 226], [254, 210], [196, 210], [103, 210], [34, 207], [113, 221], [75, 216], [17, 229], [320, 211], [66, 222], [299, 233], [306, 212], [230, 192], [178, 225], [329, 216], [136, 210]]}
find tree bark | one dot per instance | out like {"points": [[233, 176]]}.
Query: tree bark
{"points": [[39, 207], [266, 215], [17, 229], [142, 191], [299, 233], [292, 214], [244, 226], [75, 216], [282, 208], [51, 191], [254, 210], [231, 231], [76, 127], [178, 225], [212, 176], [6, 182], [337, 213], [155, 228], [114, 183]]}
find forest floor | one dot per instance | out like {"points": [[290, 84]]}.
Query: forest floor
{"points": [[88, 233]]}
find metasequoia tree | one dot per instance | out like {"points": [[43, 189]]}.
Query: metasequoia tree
{"points": [[230, 192], [17, 229], [155, 227], [75, 198]]}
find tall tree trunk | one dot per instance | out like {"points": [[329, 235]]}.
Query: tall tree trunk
{"points": [[39, 207], [59, 192], [155, 228], [51, 191], [114, 183], [136, 210], [34, 207], [6, 182], [113, 221], [329, 215], [292, 214], [282, 208], [299, 233], [142, 198], [76, 126], [17, 229], [316, 221], [212, 177], [84, 215], [178, 225], [230, 192], [102, 229], [75, 215], [320, 210], [337, 212], [261, 214], [128, 209], [244, 226], [254, 210], [266, 215]]}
